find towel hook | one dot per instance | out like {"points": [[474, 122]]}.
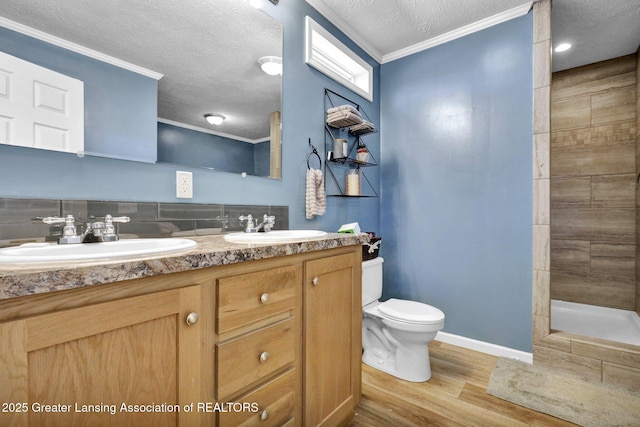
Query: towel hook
{"points": [[313, 151]]}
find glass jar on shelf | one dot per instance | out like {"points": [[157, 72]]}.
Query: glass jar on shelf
{"points": [[353, 182]]}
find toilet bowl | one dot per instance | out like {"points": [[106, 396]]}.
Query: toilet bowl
{"points": [[396, 332]]}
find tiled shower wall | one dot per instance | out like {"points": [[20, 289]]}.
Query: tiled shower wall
{"points": [[148, 219], [638, 175], [590, 358], [593, 184]]}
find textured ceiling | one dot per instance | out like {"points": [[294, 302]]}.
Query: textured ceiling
{"points": [[391, 25], [206, 50], [598, 29], [203, 47]]}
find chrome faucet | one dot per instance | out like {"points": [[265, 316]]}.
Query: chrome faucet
{"points": [[268, 221], [94, 231]]}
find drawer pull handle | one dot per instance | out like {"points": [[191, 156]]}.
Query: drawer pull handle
{"points": [[315, 281], [264, 356], [264, 415], [192, 318], [264, 298]]}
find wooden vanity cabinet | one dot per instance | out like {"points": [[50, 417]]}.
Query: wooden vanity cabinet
{"points": [[258, 325], [78, 367], [281, 336], [332, 339]]}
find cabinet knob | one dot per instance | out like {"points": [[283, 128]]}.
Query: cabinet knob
{"points": [[192, 318], [264, 415], [315, 280], [264, 356], [264, 298]]}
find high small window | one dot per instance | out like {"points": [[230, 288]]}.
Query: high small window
{"points": [[330, 56]]}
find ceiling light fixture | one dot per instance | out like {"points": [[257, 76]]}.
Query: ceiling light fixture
{"points": [[562, 47], [271, 65], [214, 119]]}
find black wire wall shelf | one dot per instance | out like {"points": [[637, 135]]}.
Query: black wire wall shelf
{"points": [[353, 158]]}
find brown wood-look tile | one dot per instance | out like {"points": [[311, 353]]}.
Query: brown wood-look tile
{"points": [[593, 159], [584, 367], [613, 191], [610, 134], [613, 225], [593, 78], [570, 137], [613, 106], [572, 255], [618, 353], [571, 192], [622, 376], [598, 289], [611, 258], [571, 113]]}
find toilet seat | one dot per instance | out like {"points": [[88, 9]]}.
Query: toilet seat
{"points": [[410, 312]]}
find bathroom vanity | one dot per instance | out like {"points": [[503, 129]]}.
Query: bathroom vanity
{"points": [[223, 334]]}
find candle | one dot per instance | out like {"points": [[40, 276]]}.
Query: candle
{"points": [[353, 183]]}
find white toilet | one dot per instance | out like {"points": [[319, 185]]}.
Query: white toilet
{"points": [[396, 333]]}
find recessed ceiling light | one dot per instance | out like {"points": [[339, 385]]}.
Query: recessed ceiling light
{"points": [[563, 47], [214, 119], [271, 65]]}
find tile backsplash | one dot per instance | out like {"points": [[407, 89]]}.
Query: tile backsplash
{"points": [[148, 219]]}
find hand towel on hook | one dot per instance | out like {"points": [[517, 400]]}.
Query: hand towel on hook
{"points": [[316, 200]]}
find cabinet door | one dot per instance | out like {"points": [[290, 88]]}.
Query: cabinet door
{"points": [[92, 365], [333, 339]]}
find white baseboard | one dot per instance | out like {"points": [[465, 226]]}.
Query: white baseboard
{"points": [[484, 347]]}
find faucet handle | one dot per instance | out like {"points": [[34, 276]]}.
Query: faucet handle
{"points": [[69, 224], [55, 219], [109, 233], [269, 221], [117, 218], [248, 218], [69, 232]]}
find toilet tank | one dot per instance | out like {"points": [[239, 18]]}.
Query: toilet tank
{"points": [[371, 280]]}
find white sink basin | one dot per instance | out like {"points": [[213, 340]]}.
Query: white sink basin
{"points": [[278, 236], [52, 252]]}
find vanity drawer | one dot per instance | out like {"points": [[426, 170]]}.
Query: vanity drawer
{"points": [[246, 360], [275, 404], [247, 298]]}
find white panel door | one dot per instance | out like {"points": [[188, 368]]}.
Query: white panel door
{"points": [[40, 108]]}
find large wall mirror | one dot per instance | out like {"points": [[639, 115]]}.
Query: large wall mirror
{"points": [[175, 63]]}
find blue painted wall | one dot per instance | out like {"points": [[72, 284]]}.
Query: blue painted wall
{"points": [[35, 173], [455, 206], [120, 106], [456, 209], [183, 146]]}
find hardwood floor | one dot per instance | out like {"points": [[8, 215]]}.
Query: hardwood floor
{"points": [[454, 396]]}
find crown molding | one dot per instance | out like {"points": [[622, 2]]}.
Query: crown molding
{"points": [[212, 132], [341, 25], [460, 32], [82, 50]]}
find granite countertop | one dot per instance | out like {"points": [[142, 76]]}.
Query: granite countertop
{"points": [[18, 280]]}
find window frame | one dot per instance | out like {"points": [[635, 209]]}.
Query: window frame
{"points": [[323, 51]]}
